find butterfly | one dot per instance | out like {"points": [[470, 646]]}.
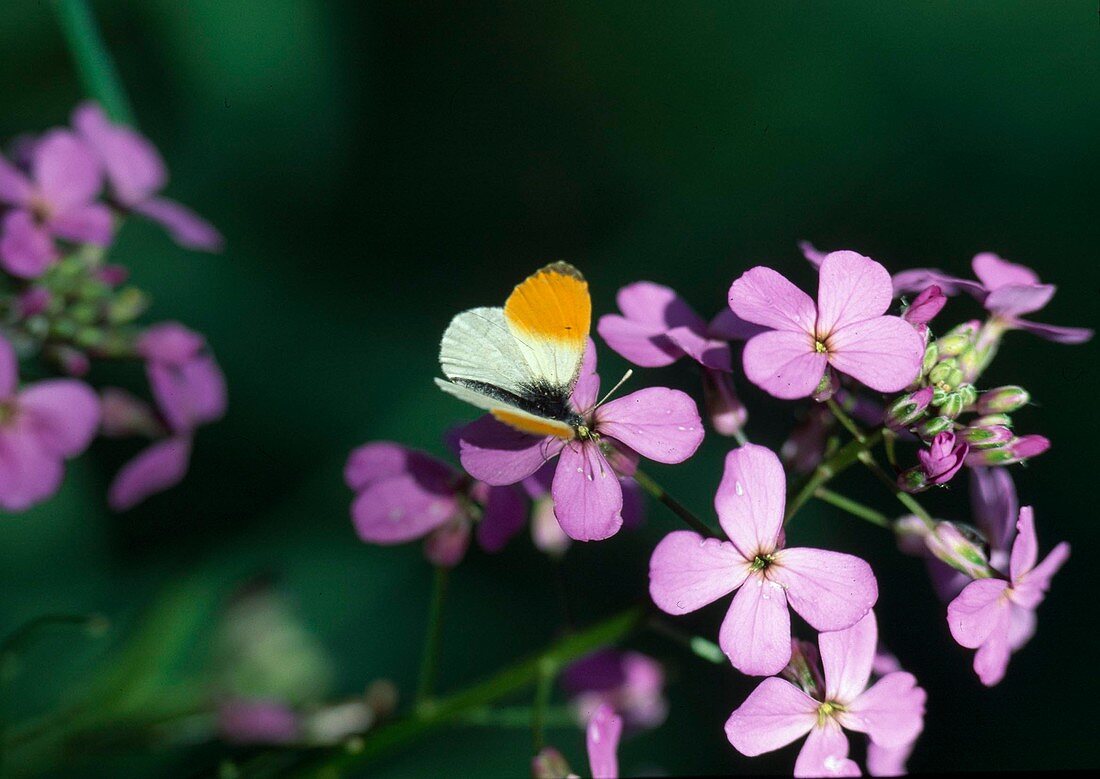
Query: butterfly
{"points": [[521, 362]]}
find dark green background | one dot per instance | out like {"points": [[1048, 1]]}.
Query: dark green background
{"points": [[377, 168]]}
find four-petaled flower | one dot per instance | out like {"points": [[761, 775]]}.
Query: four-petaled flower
{"points": [[890, 712], [657, 423], [830, 590], [846, 329], [997, 616]]}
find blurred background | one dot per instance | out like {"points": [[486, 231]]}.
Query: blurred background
{"points": [[378, 167]]}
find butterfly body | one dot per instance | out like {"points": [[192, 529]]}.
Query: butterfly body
{"points": [[521, 362]]}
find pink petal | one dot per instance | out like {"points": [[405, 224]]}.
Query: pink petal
{"points": [[633, 504], [374, 462], [1015, 299], [729, 326], [996, 508], [190, 394], [847, 657], [775, 714], [497, 454], [851, 288], [641, 343], [26, 250], [64, 414], [587, 496], [764, 297], [159, 467], [687, 571], [995, 272], [504, 515], [15, 188], [1055, 333], [891, 712], [708, 352], [784, 364], [830, 590], [9, 369], [750, 500], [1025, 549], [170, 342], [602, 737], [974, 614], [888, 761], [884, 353], [825, 753], [186, 228], [919, 279], [134, 166], [654, 304], [1030, 591], [756, 633], [28, 474], [1021, 626], [658, 423], [91, 223], [587, 389], [813, 255], [991, 659], [403, 508], [66, 171]]}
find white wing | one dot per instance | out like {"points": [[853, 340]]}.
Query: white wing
{"points": [[508, 413], [479, 346]]}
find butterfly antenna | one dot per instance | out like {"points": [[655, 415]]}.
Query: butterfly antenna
{"points": [[622, 381]]}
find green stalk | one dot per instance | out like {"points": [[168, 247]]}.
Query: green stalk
{"points": [[97, 70], [853, 507], [840, 460], [432, 642], [658, 492], [433, 715]]}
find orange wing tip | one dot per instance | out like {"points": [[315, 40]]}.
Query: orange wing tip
{"points": [[563, 268], [554, 304], [533, 425]]}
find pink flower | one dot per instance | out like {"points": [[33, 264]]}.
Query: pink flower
{"points": [[403, 494], [189, 389], [250, 721], [602, 737], [830, 590], [41, 426], [997, 616], [657, 328], [56, 200], [939, 463], [776, 713], [136, 173], [657, 423], [845, 330], [1006, 290], [631, 683]]}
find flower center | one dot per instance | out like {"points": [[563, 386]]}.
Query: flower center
{"points": [[826, 710], [762, 561], [820, 347], [585, 433]]}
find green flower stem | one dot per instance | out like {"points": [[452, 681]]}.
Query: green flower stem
{"points": [[838, 461], [517, 717], [93, 61], [432, 715], [434, 637], [544, 687], [740, 437], [853, 507], [697, 645], [677, 508]]}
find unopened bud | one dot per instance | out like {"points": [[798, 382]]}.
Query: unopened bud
{"points": [[969, 394], [72, 362], [960, 549], [726, 411], [987, 437], [913, 480], [992, 420], [549, 763], [931, 357], [952, 405], [943, 371], [546, 532], [127, 305], [911, 531], [89, 337], [1003, 400], [953, 345], [925, 306], [123, 415], [827, 387], [1018, 450], [934, 426], [908, 408], [446, 546]]}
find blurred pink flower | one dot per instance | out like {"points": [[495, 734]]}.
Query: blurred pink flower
{"points": [[631, 683]]}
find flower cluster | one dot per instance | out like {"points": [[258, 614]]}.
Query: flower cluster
{"points": [[64, 307], [868, 362]]}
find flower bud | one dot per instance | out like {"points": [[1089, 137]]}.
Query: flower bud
{"points": [[827, 387], [953, 345], [959, 549], [913, 480], [931, 357], [446, 546], [72, 362], [943, 458], [907, 409], [124, 415], [32, 302], [934, 426], [943, 371], [969, 394], [952, 406], [112, 275], [989, 437], [549, 763], [911, 532], [727, 413], [127, 305], [546, 532], [1018, 450], [804, 668], [1003, 400], [992, 420], [925, 306]]}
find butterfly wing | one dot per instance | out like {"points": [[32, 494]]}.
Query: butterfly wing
{"points": [[550, 314], [506, 411]]}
